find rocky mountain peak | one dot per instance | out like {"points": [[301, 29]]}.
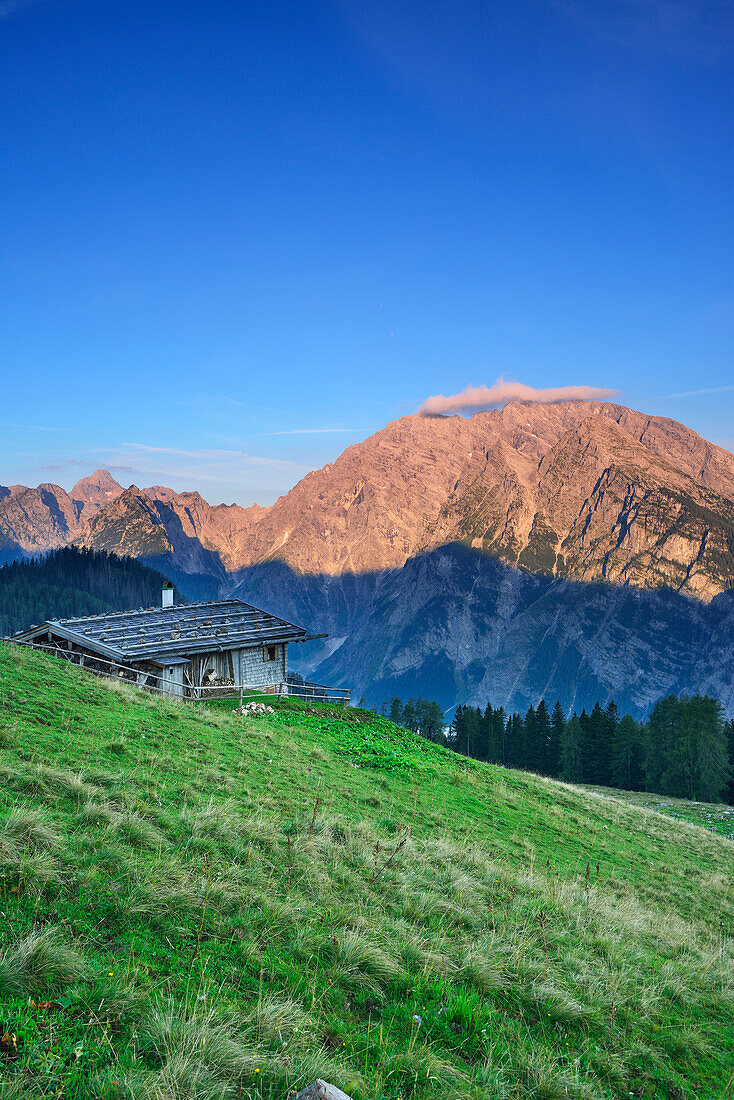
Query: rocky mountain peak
{"points": [[95, 490]]}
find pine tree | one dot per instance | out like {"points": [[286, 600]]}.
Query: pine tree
{"points": [[711, 770], [730, 744], [542, 738], [660, 741], [604, 753], [594, 750], [687, 748], [431, 720], [627, 756], [458, 731], [409, 716], [396, 711], [486, 734], [571, 751], [514, 741], [528, 750], [473, 717], [69, 582], [499, 722], [557, 723]]}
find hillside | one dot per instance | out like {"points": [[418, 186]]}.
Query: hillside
{"points": [[199, 904], [68, 582]]}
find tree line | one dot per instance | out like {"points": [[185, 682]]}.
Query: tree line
{"points": [[685, 749], [419, 715], [70, 582]]}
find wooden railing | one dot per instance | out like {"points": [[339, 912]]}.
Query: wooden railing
{"points": [[320, 693], [113, 670]]}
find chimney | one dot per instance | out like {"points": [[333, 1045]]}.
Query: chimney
{"points": [[167, 595]]}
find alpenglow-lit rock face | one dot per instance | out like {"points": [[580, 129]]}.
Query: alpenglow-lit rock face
{"points": [[580, 490]]}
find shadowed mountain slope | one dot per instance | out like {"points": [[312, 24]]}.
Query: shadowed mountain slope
{"points": [[457, 625]]}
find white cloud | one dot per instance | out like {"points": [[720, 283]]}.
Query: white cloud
{"points": [[474, 398], [698, 393]]}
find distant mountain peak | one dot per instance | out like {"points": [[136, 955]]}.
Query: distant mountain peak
{"points": [[96, 489]]}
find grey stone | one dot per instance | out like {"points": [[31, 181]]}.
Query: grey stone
{"points": [[320, 1090]]}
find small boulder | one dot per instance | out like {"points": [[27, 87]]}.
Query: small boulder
{"points": [[320, 1090]]}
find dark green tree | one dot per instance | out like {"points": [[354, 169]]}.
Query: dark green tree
{"points": [[528, 758], [557, 723], [499, 722], [396, 711], [457, 731], [410, 719], [711, 772], [514, 740], [542, 739], [69, 582], [627, 756], [730, 744], [571, 751], [687, 752]]}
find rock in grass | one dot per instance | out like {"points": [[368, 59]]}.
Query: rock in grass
{"points": [[320, 1090]]}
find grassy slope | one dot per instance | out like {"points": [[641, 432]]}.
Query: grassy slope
{"points": [[718, 817], [228, 906]]}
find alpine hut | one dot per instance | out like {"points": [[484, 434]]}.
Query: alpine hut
{"points": [[188, 650]]}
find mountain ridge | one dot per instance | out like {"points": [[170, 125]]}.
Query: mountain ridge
{"points": [[584, 490]]}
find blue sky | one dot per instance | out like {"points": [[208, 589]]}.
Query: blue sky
{"points": [[237, 237]]}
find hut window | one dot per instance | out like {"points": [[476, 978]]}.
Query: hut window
{"points": [[270, 653]]}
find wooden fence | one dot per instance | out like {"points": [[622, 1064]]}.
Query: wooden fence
{"points": [[113, 670]]}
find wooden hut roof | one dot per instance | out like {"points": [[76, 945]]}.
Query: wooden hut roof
{"points": [[181, 630]]}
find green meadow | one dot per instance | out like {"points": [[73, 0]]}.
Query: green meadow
{"points": [[196, 904]]}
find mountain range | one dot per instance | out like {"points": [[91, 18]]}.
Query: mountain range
{"points": [[580, 550]]}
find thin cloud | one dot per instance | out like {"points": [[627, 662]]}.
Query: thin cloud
{"points": [[12, 7], [214, 455], [702, 30], [82, 463], [34, 428], [474, 398], [698, 393], [313, 431]]}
